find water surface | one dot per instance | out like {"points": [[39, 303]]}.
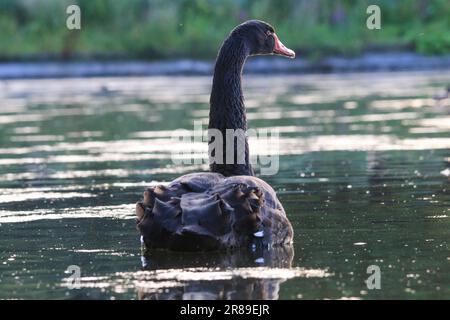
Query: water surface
{"points": [[364, 177]]}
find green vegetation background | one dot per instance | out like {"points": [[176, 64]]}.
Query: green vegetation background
{"points": [[150, 29]]}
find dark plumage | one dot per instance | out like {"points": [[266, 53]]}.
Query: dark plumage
{"points": [[227, 207]]}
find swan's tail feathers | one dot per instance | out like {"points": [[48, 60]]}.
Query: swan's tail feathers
{"points": [[149, 197], [255, 198], [247, 202], [190, 221], [171, 217], [207, 211], [146, 204], [193, 238]]}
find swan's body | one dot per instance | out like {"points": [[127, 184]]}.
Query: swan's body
{"points": [[202, 211], [228, 207]]}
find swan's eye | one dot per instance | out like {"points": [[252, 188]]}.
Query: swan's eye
{"points": [[268, 33]]}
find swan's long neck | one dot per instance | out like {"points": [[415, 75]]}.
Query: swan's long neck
{"points": [[227, 109]]}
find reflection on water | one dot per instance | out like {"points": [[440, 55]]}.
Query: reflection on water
{"points": [[364, 177], [240, 274]]}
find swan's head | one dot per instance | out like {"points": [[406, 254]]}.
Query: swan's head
{"points": [[260, 37]]}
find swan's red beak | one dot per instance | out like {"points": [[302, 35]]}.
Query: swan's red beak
{"points": [[281, 49]]}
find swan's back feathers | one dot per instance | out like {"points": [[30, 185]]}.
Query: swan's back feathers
{"points": [[207, 211]]}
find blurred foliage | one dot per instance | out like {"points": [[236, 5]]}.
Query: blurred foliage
{"points": [[196, 28]]}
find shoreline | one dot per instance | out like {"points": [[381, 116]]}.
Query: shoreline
{"points": [[257, 65]]}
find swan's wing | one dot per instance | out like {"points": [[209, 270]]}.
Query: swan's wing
{"points": [[276, 223], [270, 196], [167, 214], [206, 211], [198, 182]]}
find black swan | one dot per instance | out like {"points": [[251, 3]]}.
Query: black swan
{"points": [[228, 207]]}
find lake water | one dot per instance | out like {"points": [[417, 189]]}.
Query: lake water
{"points": [[363, 175]]}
